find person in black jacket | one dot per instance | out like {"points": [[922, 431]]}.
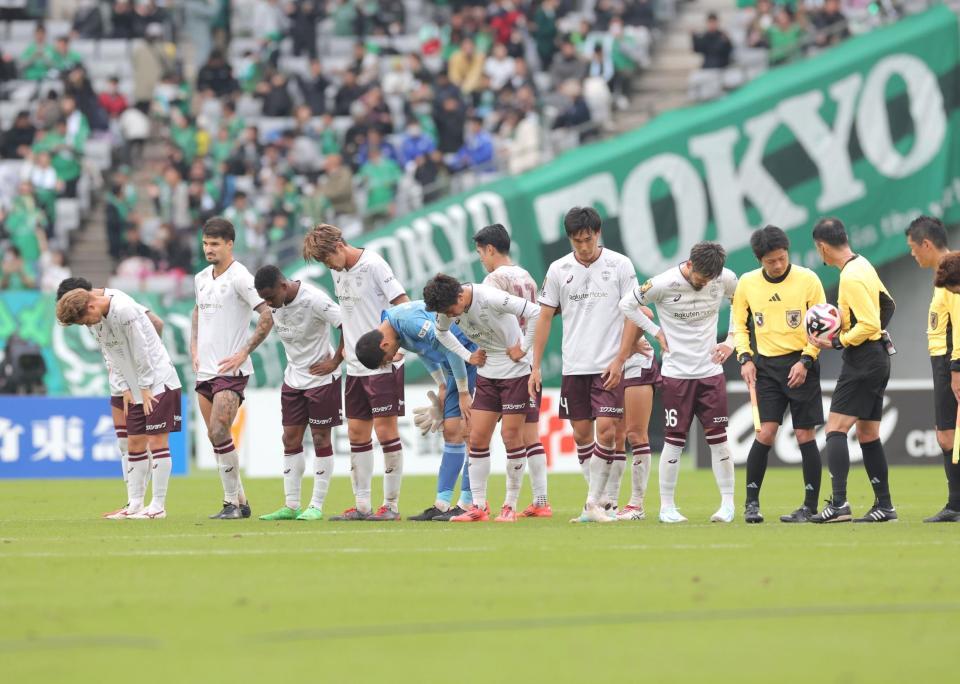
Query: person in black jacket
{"points": [[16, 140], [713, 44], [304, 17], [217, 75]]}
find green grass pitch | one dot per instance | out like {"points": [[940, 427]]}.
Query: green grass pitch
{"points": [[193, 600]]}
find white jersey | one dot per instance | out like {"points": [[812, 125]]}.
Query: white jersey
{"points": [[134, 354], [225, 304], [493, 323], [515, 280], [688, 318], [304, 327], [116, 382], [364, 291], [588, 298]]}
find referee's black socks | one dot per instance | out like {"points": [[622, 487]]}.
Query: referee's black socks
{"points": [[838, 461], [812, 473], [953, 480], [756, 469], [875, 462]]}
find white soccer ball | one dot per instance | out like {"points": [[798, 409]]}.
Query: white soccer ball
{"points": [[823, 321]]}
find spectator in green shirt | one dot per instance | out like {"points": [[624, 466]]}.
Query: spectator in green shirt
{"points": [[381, 176], [38, 59], [63, 58], [16, 274], [785, 38], [26, 225]]}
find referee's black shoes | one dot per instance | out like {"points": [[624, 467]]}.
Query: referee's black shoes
{"points": [[833, 514], [946, 515], [878, 514]]}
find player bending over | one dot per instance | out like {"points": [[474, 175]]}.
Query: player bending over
{"points": [[688, 300], [491, 319], [303, 316], [149, 386]]}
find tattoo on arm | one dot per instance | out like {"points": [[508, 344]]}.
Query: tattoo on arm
{"points": [[264, 325]]}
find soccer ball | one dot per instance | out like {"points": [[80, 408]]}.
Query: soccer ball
{"points": [[823, 321]]}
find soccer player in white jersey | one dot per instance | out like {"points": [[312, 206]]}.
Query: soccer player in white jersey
{"points": [[303, 316], [365, 286], [226, 297], [148, 382], [116, 393], [491, 319], [688, 300], [587, 285], [493, 246]]}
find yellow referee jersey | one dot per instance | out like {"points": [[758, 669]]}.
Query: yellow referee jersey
{"points": [[865, 305], [778, 307], [943, 337]]}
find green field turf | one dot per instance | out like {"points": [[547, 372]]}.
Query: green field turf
{"points": [[193, 600]]}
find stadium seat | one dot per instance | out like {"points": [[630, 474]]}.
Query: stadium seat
{"points": [[8, 112], [705, 84], [86, 49], [22, 30], [114, 50], [97, 152], [68, 218]]}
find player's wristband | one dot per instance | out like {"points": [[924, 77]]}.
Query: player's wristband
{"points": [[463, 385], [955, 366], [745, 358], [807, 361], [439, 377]]}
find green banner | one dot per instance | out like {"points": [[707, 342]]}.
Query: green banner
{"points": [[864, 132]]}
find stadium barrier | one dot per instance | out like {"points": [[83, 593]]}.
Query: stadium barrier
{"points": [[908, 431], [50, 437]]}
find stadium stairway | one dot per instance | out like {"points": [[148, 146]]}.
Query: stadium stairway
{"points": [[664, 85], [87, 255]]}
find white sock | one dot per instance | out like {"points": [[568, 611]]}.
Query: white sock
{"points": [[124, 453], [611, 493], [322, 471], [584, 456], [600, 466], [669, 473], [537, 464], [293, 467], [162, 465], [229, 471], [138, 467], [441, 505], [722, 461], [479, 475], [361, 474], [392, 472], [516, 464], [640, 475]]}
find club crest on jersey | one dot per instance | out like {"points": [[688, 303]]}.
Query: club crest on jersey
{"points": [[933, 320], [793, 318], [645, 288], [758, 319], [605, 275]]}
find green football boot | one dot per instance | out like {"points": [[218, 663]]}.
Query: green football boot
{"points": [[285, 513], [311, 513]]}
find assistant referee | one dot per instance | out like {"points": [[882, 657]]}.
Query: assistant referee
{"points": [[784, 370], [866, 308]]}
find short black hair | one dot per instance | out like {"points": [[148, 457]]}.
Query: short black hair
{"points": [[441, 292], [927, 228], [267, 277], [495, 235], [74, 283], [768, 239], [707, 258], [368, 349], [219, 227], [579, 219], [830, 231]]}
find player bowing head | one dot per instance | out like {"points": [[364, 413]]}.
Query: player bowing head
{"points": [[325, 244]]}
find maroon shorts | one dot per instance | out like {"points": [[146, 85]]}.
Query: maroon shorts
{"points": [[649, 376], [505, 396], [372, 396], [235, 383], [705, 398], [533, 412], [582, 397], [321, 407], [164, 418]]}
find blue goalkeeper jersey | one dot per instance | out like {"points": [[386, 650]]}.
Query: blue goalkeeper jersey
{"points": [[417, 329]]}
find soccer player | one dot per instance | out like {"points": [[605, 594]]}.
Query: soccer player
{"points": [[785, 370], [221, 352], [927, 239], [365, 286], [493, 247], [866, 308], [116, 393], [411, 327], [491, 319], [688, 300], [586, 285], [149, 385], [303, 316]]}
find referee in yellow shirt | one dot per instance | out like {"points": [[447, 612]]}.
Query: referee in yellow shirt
{"points": [[784, 370], [927, 239], [865, 308]]}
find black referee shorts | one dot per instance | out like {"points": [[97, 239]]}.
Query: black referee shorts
{"points": [[774, 396], [862, 382], [944, 403]]}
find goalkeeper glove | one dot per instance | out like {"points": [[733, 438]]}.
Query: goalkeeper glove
{"points": [[429, 418]]}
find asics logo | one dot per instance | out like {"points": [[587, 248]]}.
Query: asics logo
{"points": [[287, 471], [228, 470]]}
